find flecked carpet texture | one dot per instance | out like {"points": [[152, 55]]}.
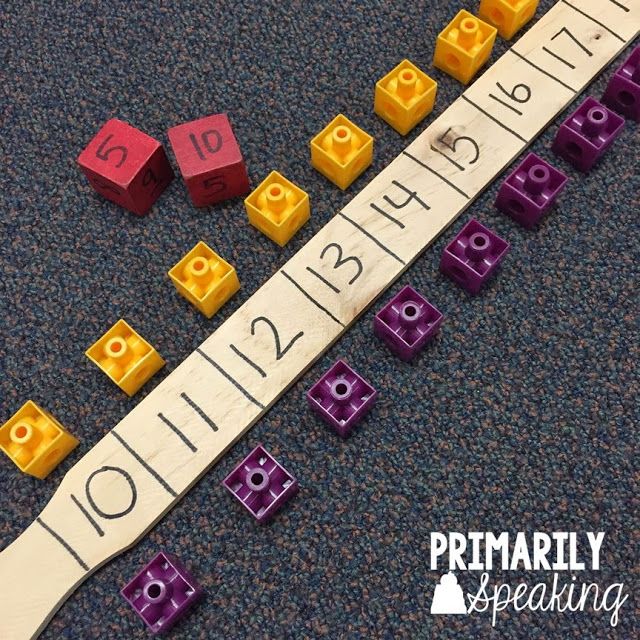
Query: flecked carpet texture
{"points": [[521, 416]]}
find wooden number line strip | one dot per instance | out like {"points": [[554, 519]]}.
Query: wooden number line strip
{"points": [[136, 473]]}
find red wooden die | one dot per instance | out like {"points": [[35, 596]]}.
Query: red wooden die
{"points": [[126, 166], [209, 158]]}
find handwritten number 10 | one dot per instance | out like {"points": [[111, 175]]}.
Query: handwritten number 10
{"points": [[210, 141]]}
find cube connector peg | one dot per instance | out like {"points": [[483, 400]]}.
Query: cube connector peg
{"points": [[125, 357], [623, 91], [261, 484], [508, 16], [405, 96], [162, 592], [35, 440], [205, 279], [530, 190], [341, 398], [278, 208], [586, 134], [407, 323], [464, 46], [472, 257], [341, 151]]}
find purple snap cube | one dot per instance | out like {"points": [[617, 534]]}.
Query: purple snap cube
{"points": [[341, 398], [261, 484], [407, 322], [586, 134], [623, 91], [162, 592], [530, 190], [472, 256]]}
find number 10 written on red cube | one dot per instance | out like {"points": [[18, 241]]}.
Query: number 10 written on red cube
{"points": [[126, 166], [210, 160]]}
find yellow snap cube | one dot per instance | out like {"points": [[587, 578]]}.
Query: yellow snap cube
{"points": [[205, 279], [125, 357], [341, 151], [405, 96], [464, 46], [509, 16], [35, 440], [278, 208]]}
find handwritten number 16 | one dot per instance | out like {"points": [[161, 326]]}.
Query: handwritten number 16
{"points": [[520, 94]]}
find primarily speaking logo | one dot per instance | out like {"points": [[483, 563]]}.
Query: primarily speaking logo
{"points": [[557, 552]]}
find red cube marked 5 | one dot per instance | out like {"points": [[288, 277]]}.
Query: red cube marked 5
{"points": [[209, 158], [126, 166]]}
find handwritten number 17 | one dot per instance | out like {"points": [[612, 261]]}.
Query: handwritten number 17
{"points": [[574, 39]]}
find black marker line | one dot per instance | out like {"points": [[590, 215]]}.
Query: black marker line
{"points": [[619, 4], [373, 239], [310, 297], [557, 57], [323, 279], [386, 215], [199, 411], [586, 15], [192, 137], [501, 124], [435, 173], [506, 104], [151, 470], [541, 70], [88, 516], [178, 432], [248, 360], [64, 543], [231, 379], [446, 157]]}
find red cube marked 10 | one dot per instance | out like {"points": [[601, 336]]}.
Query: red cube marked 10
{"points": [[210, 160], [126, 166]]}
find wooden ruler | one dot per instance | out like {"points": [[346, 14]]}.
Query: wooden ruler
{"points": [[138, 471]]}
